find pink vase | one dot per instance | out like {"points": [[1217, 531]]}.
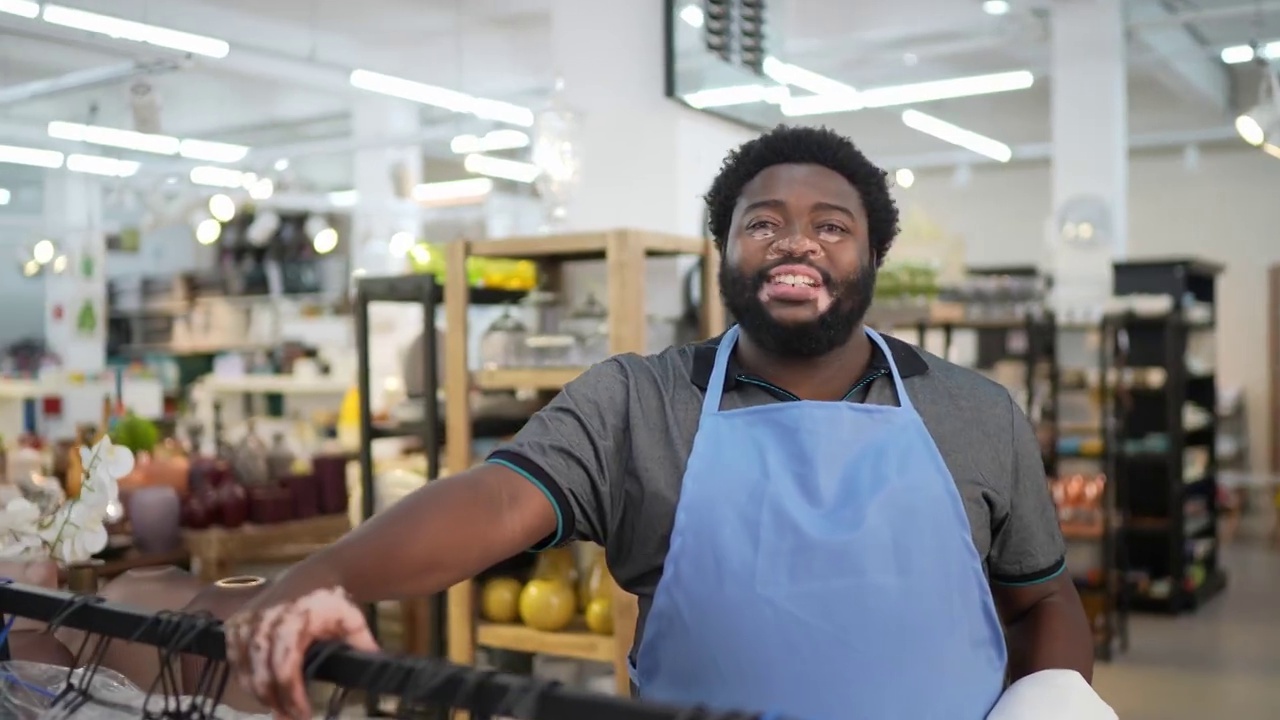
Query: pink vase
{"points": [[222, 600], [155, 513], [29, 639]]}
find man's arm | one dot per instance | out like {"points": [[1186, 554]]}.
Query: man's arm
{"points": [[1045, 622], [456, 527]]}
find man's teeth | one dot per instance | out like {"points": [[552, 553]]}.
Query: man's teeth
{"points": [[793, 280]]}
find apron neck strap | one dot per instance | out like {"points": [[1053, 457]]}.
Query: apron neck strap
{"points": [[903, 399], [715, 386]]}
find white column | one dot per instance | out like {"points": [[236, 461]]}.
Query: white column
{"points": [[646, 160], [384, 180], [75, 298], [1090, 146]]}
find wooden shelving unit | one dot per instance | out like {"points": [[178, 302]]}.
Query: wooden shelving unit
{"points": [[624, 253]]}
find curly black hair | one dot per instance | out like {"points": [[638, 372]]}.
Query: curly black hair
{"points": [[804, 145]]}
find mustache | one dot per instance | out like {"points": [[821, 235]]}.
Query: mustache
{"points": [[762, 276]]}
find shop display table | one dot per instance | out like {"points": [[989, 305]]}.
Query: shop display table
{"points": [[216, 552]]}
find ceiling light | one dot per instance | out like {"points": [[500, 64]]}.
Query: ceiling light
{"points": [[490, 142], [114, 137], [5, 196], [904, 178], [34, 157], [957, 136], [137, 32], [692, 15], [910, 94], [280, 165], [1237, 54], [737, 95], [212, 151], [452, 191], [59, 264], [208, 231], [212, 176], [444, 98], [262, 189], [21, 8], [1262, 122], [995, 7], [499, 168], [400, 244], [109, 167], [222, 208], [343, 198], [43, 252], [325, 241], [796, 76]]}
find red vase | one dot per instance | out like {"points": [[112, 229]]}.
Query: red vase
{"points": [[331, 479], [222, 600], [233, 505], [305, 493]]}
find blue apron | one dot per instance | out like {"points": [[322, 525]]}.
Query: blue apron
{"points": [[821, 567]]}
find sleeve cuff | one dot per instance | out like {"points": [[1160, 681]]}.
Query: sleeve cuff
{"points": [[1033, 578], [534, 473]]}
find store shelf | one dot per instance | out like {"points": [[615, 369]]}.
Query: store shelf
{"points": [[576, 642], [277, 384], [525, 378], [585, 245]]}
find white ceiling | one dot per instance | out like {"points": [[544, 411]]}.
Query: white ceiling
{"points": [[286, 80]]}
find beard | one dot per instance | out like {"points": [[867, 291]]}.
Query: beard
{"points": [[850, 299]]}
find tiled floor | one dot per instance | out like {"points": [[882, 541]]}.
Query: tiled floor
{"points": [[1220, 663]]}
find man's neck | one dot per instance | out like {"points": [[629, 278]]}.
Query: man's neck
{"points": [[827, 377]]}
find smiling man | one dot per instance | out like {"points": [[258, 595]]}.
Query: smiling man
{"points": [[820, 522]]}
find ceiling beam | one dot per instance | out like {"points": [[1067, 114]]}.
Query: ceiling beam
{"points": [[1187, 67]]}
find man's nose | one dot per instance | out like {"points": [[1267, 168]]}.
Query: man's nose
{"points": [[797, 242]]}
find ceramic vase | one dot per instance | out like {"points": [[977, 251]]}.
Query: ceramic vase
{"points": [[222, 600], [151, 589], [305, 493], [155, 513], [29, 639]]}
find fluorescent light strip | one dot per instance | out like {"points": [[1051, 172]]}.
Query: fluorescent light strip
{"points": [[491, 141], [1268, 148], [21, 8], [213, 176], [910, 94], [737, 95], [105, 166], [1237, 54], [343, 198], [796, 76], [444, 98], [453, 191], [513, 170], [5, 196], [191, 149], [14, 155], [957, 136], [121, 29]]}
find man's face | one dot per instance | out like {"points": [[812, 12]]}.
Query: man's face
{"points": [[798, 274]]}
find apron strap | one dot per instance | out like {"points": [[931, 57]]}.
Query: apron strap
{"points": [[904, 400], [715, 386]]}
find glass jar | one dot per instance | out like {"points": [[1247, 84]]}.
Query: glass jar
{"points": [[589, 323], [503, 343]]}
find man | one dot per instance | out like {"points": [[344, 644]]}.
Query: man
{"points": [[819, 522]]}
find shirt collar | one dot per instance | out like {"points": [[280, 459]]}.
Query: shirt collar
{"points": [[907, 358]]}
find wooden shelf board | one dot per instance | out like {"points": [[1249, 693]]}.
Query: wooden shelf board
{"points": [[582, 245], [576, 642], [525, 378]]}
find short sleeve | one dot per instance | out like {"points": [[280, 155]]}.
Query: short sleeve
{"points": [[576, 449], [1027, 545]]}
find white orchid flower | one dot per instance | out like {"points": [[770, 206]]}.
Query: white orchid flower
{"points": [[20, 515], [17, 546], [105, 456]]}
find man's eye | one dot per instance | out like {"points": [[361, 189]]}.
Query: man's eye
{"points": [[829, 227]]}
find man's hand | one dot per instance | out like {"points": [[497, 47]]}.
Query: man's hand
{"points": [[267, 647]]}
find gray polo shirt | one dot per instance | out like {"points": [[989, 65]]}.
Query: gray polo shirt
{"points": [[610, 453]]}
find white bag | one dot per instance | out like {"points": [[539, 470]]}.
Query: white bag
{"points": [[1051, 695]]}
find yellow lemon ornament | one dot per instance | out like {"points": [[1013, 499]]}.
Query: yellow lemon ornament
{"points": [[600, 616], [500, 600], [547, 604]]}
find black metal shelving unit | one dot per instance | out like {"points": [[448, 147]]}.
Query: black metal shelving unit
{"points": [[1162, 459]]}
